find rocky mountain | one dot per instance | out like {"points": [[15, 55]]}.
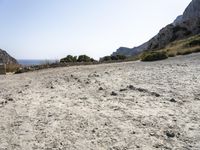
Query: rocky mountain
{"points": [[6, 58], [184, 26]]}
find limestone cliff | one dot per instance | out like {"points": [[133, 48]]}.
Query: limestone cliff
{"points": [[184, 26]]}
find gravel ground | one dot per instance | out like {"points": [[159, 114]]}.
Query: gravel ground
{"points": [[121, 106]]}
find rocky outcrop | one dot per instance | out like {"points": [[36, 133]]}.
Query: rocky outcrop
{"points": [[184, 26], [6, 58]]}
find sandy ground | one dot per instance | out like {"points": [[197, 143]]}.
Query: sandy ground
{"points": [[122, 106]]}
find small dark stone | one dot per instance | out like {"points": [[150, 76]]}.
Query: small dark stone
{"points": [[131, 87], [155, 94], [122, 90], [178, 135], [100, 89], [10, 99], [142, 90], [93, 131], [172, 100], [158, 145], [96, 75], [144, 124], [106, 73], [170, 134], [113, 94], [133, 132], [87, 82]]}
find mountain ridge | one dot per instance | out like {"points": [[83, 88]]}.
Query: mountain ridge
{"points": [[184, 26], [6, 58]]}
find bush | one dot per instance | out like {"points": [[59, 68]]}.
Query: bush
{"points": [[84, 58], [154, 56], [73, 59], [121, 57], [106, 58], [12, 67], [69, 58], [194, 43], [113, 58]]}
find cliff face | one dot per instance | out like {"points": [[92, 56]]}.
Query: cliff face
{"points": [[184, 26], [6, 58]]}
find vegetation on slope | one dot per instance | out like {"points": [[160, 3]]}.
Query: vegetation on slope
{"points": [[180, 47], [183, 47], [154, 56]]}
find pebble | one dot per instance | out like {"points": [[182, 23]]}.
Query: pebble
{"points": [[172, 100], [113, 94], [100, 89], [170, 134]]}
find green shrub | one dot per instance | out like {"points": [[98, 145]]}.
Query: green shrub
{"points": [[69, 58], [106, 58], [193, 43], [121, 57], [72, 59], [154, 56], [113, 58], [84, 58], [12, 67]]}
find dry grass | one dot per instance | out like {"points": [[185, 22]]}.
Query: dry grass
{"points": [[183, 47], [12, 67]]}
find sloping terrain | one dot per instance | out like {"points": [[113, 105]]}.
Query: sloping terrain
{"points": [[184, 26], [6, 58], [182, 47], [122, 106]]}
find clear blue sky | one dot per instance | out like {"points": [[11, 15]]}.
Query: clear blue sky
{"points": [[51, 29]]}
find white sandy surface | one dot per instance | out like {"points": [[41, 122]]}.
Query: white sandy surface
{"points": [[142, 106]]}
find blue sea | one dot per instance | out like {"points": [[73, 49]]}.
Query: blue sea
{"points": [[30, 62]]}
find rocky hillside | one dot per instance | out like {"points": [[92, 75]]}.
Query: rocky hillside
{"points": [[7, 59], [184, 26]]}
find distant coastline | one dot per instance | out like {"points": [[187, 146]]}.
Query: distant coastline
{"points": [[30, 62]]}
